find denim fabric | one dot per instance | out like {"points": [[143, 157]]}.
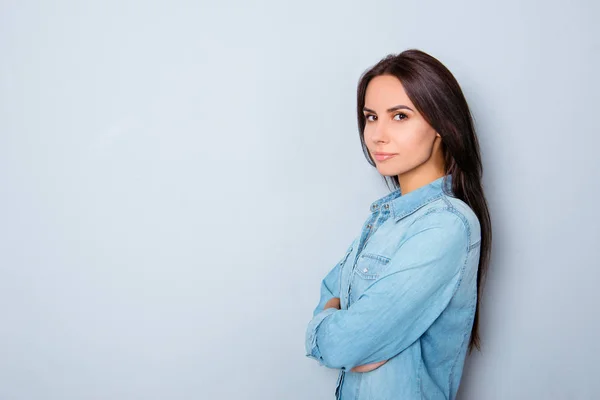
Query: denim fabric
{"points": [[408, 288]]}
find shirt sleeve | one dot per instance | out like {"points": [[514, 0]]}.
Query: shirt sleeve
{"points": [[399, 307], [330, 285], [330, 288]]}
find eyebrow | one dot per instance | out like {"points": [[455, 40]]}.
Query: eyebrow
{"points": [[390, 110]]}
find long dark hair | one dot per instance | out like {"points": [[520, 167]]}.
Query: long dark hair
{"points": [[438, 97]]}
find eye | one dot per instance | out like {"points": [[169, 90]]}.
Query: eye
{"points": [[370, 115], [404, 116]]}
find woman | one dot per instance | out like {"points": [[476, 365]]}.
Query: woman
{"points": [[399, 312]]}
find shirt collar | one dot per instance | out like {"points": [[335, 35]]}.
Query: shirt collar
{"points": [[403, 205]]}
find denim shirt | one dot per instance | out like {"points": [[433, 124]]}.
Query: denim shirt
{"points": [[408, 288]]}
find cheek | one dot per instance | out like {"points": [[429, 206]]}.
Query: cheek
{"points": [[413, 142]]}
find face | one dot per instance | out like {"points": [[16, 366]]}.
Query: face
{"points": [[393, 125]]}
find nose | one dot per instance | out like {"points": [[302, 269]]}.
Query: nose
{"points": [[378, 132]]}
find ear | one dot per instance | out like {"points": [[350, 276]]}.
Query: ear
{"points": [[438, 135]]}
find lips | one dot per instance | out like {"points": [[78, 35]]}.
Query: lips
{"points": [[384, 156]]}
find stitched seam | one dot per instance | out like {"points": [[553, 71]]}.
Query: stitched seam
{"points": [[454, 211], [338, 387], [474, 245], [381, 260], [369, 277], [342, 263], [358, 385], [466, 335], [377, 257], [431, 200], [419, 394], [447, 202]]}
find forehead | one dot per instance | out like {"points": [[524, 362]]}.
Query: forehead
{"points": [[385, 91]]}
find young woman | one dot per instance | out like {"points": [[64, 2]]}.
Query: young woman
{"points": [[399, 312]]}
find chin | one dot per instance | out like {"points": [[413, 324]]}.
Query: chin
{"points": [[388, 171]]}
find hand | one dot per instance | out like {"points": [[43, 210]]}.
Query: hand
{"points": [[332, 303], [368, 367]]}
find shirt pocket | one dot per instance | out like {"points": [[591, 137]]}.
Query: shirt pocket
{"points": [[371, 266]]}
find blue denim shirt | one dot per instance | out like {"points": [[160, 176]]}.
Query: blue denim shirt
{"points": [[408, 289]]}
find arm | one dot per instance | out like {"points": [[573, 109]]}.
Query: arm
{"points": [[398, 308], [330, 288], [330, 285], [335, 303]]}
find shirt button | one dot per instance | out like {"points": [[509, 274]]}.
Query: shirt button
{"points": [[366, 270], [386, 206], [369, 226]]}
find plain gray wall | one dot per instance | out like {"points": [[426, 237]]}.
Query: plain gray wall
{"points": [[177, 177]]}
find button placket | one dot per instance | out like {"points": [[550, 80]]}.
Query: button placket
{"points": [[362, 242]]}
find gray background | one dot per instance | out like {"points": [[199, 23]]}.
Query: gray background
{"points": [[177, 177]]}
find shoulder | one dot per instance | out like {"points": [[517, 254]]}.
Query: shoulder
{"points": [[448, 218]]}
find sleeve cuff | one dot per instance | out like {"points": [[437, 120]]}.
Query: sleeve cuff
{"points": [[312, 350]]}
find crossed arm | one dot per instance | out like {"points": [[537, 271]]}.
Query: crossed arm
{"points": [[396, 309], [335, 303]]}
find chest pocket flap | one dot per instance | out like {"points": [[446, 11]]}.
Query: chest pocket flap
{"points": [[371, 266]]}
